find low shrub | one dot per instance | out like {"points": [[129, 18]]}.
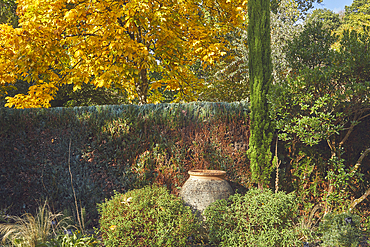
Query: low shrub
{"points": [[258, 218], [341, 230], [146, 217]]}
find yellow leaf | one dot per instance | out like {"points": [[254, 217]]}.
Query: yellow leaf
{"points": [[99, 83], [156, 84], [76, 87], [78, 54]]}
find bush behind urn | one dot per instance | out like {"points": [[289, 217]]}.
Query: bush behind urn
{"points": [[258, 218]]}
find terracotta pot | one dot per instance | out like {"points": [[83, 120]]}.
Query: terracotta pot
{"points": [[205, 187]]}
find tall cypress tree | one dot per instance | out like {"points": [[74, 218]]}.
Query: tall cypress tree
{"points": [[260, 69]]}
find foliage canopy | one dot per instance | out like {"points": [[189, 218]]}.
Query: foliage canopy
{"points": [[113, 43]]}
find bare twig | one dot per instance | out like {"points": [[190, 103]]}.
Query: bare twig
{"points": [[73, 189]]}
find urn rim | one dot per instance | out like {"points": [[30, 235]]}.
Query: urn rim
{"points": [[207, 173]]}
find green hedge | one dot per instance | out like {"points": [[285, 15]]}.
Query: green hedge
{"points": [[118, 148]]}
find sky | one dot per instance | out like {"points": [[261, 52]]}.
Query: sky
{"points": [[334, 5]]}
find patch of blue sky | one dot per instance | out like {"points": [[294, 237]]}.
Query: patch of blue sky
{"points": [[335, 5]]}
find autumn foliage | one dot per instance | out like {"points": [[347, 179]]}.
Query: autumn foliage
{"points": [[114, 43]]}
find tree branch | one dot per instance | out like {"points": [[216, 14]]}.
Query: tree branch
{"points": [[364, 116], [367, 192], [359, 200], [75, 35], [349, 131], [358, 163]]}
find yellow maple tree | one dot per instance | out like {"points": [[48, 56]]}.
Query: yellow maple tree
{"points": [[113, 43]]}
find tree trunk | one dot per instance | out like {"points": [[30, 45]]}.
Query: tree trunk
{"points": [[142, 85]]}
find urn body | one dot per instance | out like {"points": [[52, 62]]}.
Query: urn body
{"points": [[204, 187]]}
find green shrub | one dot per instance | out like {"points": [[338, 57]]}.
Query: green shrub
{"points": [[259, 218], [146, 217], [340, 230]]}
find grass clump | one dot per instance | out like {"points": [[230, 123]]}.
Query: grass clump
{"points": [[75, 239], [29, 230], [45, 229], [146, 217]]}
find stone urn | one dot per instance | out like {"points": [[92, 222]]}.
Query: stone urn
{"points": [[204, 187]]}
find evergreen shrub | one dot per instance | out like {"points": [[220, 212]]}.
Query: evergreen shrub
{"points": [[146, 217], [258, 218]]}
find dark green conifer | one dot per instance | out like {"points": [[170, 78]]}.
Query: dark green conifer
{"points": [[260, 69]]}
